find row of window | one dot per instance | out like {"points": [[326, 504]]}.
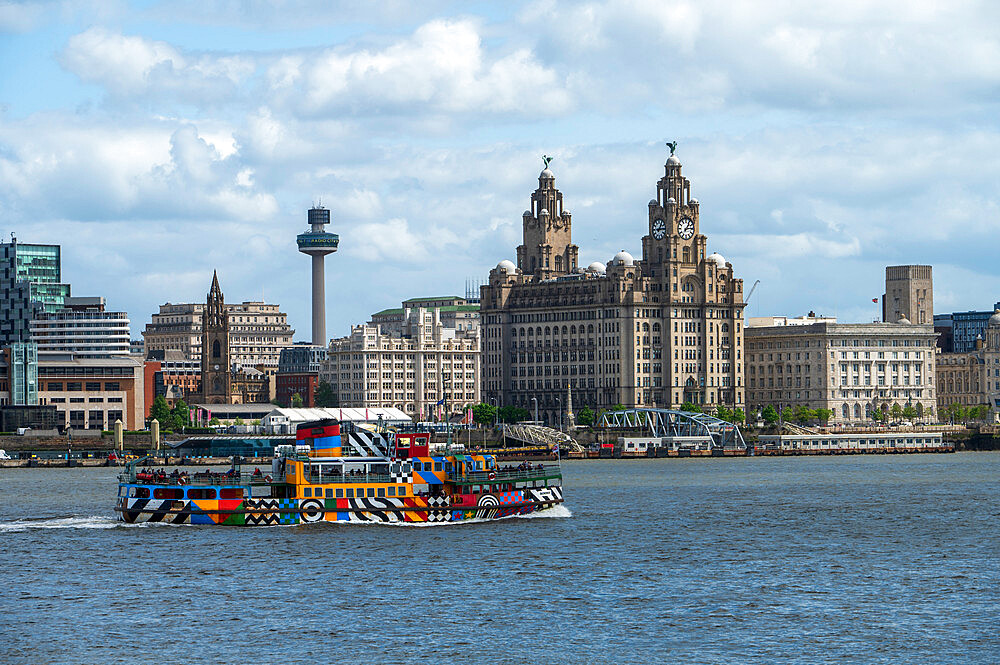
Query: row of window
{"points": [[351, 493]]}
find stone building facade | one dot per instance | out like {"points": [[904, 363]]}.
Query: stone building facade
{"points": [[909, 294], [973, 378], [258, 332], [658, 331], [216, 382], [852, 369], [415, 363]]}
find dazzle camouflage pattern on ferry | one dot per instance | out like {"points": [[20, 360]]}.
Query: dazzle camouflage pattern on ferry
{"points": [[384, 477]]}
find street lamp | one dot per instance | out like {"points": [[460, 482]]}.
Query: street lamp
{"points": [[535, 400], [495, 401], [559, 402]]}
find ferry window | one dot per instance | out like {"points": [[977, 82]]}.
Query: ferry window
{"points": [[140, 493], [381, 491], [201, 493], [438, 466], [416, 466], [307, 491], [167, 493], [350, 492], [447, 467], [402, 491], [340, 493], [230, 493], [392, 491], [329, 492], [371, 491]]}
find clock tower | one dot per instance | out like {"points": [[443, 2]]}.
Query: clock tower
{"points": [[216, 383], [674, 237]]}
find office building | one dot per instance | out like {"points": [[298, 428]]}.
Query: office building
{"points": [[30, 285], [298, 374], [652, 332], [82, 326], [412, 361]]}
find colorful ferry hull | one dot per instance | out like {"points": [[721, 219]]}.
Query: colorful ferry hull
{"points": [[335, 478]]}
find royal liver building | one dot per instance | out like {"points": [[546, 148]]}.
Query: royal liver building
{"points": [[655, 332]]}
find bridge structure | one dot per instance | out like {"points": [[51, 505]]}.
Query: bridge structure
{"points": [[539, 436], [680, 425]]}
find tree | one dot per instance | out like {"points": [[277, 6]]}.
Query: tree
{"points": [[618, 407], [325, 397], [179, 417], [214, 421], [585, 417], [804, 414], [738, 415], [512, 414], [484, 414], [160, 411], [909, 412], [296, 401], [787, 414], [688, 406], [824, 415], [769, 415], [238, 421], [896, 411], [722, 413]]}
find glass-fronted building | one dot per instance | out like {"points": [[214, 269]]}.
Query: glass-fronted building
{"points": [[30, 284]]}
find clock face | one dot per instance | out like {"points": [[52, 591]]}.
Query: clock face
{"points": [[685, 228], [659, 229], [216, 367]]}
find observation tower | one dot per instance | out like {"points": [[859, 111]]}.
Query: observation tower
{"points": [[317, 243]]}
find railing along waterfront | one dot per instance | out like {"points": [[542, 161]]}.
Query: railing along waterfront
{"points": [[484, 477]]}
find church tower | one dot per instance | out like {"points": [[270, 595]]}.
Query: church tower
{"points": [[548, 249], [674, 228], [216, 385]]}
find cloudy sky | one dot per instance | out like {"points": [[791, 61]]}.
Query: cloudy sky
{"points": [[157, 141]]}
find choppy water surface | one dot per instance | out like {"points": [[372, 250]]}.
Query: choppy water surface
{"points": [[805, 560]]}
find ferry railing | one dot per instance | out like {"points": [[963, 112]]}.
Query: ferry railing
{"points": [[546, 472], [486, 477]]}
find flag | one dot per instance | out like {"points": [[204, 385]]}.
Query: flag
{"points": [[440, 401], [874, 299], [555, 448], [468, 417]]}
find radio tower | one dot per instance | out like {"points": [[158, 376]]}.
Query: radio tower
{"points": [[317, 243]]}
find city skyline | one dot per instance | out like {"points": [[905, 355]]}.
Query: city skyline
{"points": [[824, 148]]}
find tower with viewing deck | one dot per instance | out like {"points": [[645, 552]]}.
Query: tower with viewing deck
{"points": [[317, 243]]}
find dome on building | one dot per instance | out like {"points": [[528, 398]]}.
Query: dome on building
{"points": [[543, 213], [673, 160], [597, 267], [507, 265], [526, 213], [693, 202], [719, 260], [623, 258], [653, 202], [995, 319], [671, 201], [547, 174], [903, 320]]}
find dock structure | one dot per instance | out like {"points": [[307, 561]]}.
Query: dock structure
{"points": [[672, 429], [853, 443]]}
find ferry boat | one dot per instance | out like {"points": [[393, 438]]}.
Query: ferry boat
{"points": [[356, 476]]}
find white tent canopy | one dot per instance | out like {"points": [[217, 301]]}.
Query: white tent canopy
{"points": [[282, 421]]}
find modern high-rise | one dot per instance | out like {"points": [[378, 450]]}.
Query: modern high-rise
{"points": [[909, 294], [414, 358], [258, 332], [30, 285], [317, 243], [651, 332], [84, 327]]}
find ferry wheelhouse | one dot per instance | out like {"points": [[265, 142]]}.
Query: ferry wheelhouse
{"points": [[357, 476]]}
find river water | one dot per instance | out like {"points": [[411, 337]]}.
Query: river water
{"points": [[867, 559]]}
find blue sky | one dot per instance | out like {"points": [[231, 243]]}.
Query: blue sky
{"points": [[158, 141]]}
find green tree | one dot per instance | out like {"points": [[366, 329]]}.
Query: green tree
{"points": [[896, 412], [688, 406], [787, 414], [585, 417], [512, 414], [769, 415], [618, 407], [238, 421], [824, 415], [722, 413], [738, 415], [325, 397], [180, 416], [909, 412], [484, 414], [214, 421], [803, 414], [160, 411], [296, 401]]}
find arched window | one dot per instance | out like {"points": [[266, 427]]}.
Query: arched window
{"points": [[532, 264], [216, 349], [857, 412], [656, 327], [564, 330], [217, 385], [590, 328], [548, 331], [558, 263], [531, 332], [538, 331], [724, 327], [572, 330], [846, 410]]}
